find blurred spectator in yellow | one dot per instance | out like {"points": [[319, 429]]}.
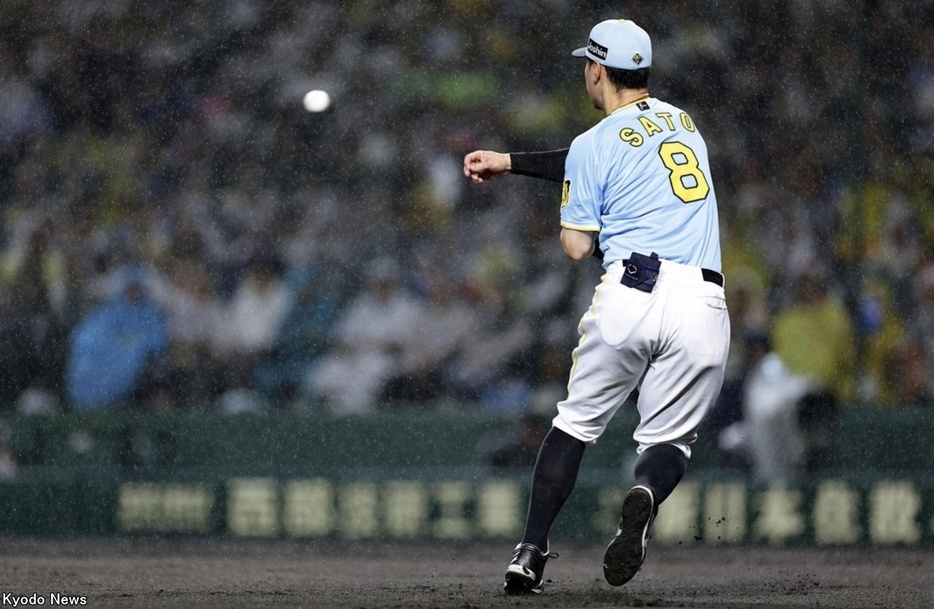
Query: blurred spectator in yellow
{"points": [[814, 336], [883, 334]]}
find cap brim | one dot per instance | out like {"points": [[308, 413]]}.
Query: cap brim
{"points": [[581, 52]]}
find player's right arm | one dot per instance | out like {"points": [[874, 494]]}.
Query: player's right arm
{"points": [[482, 165]]}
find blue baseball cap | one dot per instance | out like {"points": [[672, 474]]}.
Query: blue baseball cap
{"points": [[618, 43]]}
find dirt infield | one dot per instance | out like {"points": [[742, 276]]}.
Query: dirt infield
{"points": [[223, 573]]}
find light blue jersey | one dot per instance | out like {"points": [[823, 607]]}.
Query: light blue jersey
{"points": [[641, 178]]}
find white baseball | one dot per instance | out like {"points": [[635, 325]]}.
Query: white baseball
{"points": [[316, 100]]}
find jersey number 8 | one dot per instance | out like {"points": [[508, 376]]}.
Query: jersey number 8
{"points": [[687, 180]]}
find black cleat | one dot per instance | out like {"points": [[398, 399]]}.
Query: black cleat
{"points": [[524, 573], [626, 551]]}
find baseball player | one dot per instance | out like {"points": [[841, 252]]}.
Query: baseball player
{"points": [[636, 188]]}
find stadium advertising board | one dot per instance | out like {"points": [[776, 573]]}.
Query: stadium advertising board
{"points": [[828, 512]]}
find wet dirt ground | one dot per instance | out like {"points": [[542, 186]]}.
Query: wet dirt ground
{"points": [[231, 573]]}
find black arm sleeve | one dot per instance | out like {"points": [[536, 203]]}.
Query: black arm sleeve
{"points": [[547, 165]]}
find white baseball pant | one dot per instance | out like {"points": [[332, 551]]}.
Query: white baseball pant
{"points": [[671, 344]]}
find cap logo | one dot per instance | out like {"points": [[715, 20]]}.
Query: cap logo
{"points": [[637, 59], [595, 49]]}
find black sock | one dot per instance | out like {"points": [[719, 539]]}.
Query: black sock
{"points": [[553, 479], [661, 468]]}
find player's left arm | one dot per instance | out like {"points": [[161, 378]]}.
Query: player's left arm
{"points": [[578, 245], [580, 201]]}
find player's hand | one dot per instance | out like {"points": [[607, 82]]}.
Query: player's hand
{"points": [[482, 165]]}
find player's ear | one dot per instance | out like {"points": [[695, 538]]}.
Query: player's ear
{"points": [[597, 72]]}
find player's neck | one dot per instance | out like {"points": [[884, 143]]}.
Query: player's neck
{"points": [[623, 98]]}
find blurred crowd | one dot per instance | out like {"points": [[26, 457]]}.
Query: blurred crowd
{"points": [[178, 232]]}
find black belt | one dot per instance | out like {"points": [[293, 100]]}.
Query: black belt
{"points": [[712, 276]]}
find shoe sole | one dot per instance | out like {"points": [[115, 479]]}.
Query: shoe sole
{"points": [[520, 582], [626, 552]]}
